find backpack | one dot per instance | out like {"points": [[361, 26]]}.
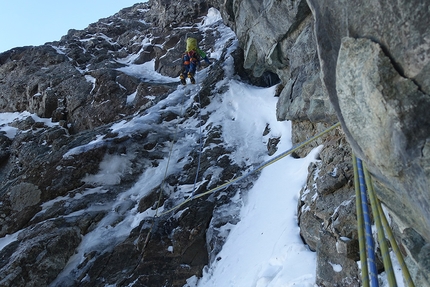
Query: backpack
{"points": [[191, 44]]}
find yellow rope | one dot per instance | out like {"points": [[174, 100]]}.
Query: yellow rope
{"points": [[264, 165], [381, 224], [386, 259], [148, 236], [405, 271]]}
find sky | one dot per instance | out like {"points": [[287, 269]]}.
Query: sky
{"points": [[33, 23], [255, 253]]}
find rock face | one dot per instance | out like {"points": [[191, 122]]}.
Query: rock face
{"points": [[364, 64], [165, 13], [80, 74], [406, 79], [379, 88], [372, 94], [279, 37], [367, 65], [52, 203]]}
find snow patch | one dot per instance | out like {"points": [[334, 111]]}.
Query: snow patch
{"points": [[8, 239], [336, 267], [146, 72], [265, 248], [7, 118], [112, 168]]}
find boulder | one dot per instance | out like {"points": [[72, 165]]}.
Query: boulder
{"points": [[395, 76], [386, 115]]}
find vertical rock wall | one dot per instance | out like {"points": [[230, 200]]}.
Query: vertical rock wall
{"points": [[367, 65], [375, 67]]}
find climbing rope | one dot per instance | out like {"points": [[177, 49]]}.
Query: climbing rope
{"points": [[395, 247], [365, 238], [175, 137], [259, 168], [200, 148], [148, 236], [381, 234], [371, 258], [360, 227]]}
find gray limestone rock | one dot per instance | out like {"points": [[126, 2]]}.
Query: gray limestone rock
{"points": [[279, 37], [39, 254], [387, 115], [23, 195]]}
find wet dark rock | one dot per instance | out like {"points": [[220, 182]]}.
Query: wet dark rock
{"points": [[5, 143], [42, 250]]}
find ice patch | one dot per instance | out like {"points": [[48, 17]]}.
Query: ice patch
{"points": [[91, 80], [130, 98], [146, 72], [336, 267], [9, 238], [112, 168], [98, 142], [212, 17]]}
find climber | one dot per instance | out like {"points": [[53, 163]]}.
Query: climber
{"points": [[191, 59]]}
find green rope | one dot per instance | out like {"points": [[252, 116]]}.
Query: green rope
{"points": [[380, 231], [360, 227], [405, 271]]}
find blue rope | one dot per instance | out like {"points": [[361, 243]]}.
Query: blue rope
{"points": [[371, 260]]}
